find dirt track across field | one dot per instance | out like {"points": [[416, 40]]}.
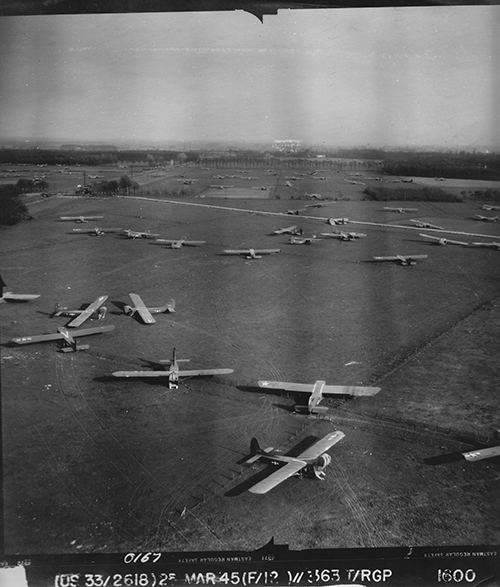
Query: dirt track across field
{"points": [[305, 216]]}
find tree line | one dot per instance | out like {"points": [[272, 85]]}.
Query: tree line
{"points": [[459, 165], [12, 209], [113, 186], [424, 194], [91, 158]]}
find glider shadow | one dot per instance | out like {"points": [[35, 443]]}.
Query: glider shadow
{"points": [[278, 392], [119, 305], [451, 457], [120, 380]]}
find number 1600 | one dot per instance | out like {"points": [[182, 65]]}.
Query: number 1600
{"points": [[456, 576]]}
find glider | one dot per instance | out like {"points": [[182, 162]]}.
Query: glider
{"points": [[93, 310], [251, 253], [443, 241], [137, 234], [144, 312], [482, 453], [422, 224], [96, 231], [344, 236], [485, 218], [177, 244], [173, 372], [298, 240], [79, 218], [401, 259], [317, 390], [335, 221], [294, 229], [312, 462], [69, 343], [400, 210]]}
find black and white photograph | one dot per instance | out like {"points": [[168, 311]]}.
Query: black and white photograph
{"points": [[250, 279]]}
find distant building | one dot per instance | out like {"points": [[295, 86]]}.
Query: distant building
{"points": [[287, 145]]}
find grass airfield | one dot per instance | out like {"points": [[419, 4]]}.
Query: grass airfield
{"points": [[95, 464]]}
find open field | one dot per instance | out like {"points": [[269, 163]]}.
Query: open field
{"points": [[192, 181], [94, 464], [463, 184], [62, 178]]}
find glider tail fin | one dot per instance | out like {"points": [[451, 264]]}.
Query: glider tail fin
{"points": [[255, 452], [255, 447]]}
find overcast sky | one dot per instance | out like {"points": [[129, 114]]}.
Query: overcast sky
{"points": [[405, 76]]}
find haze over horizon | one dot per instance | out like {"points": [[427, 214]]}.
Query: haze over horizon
{"points": [[343, 77]]}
